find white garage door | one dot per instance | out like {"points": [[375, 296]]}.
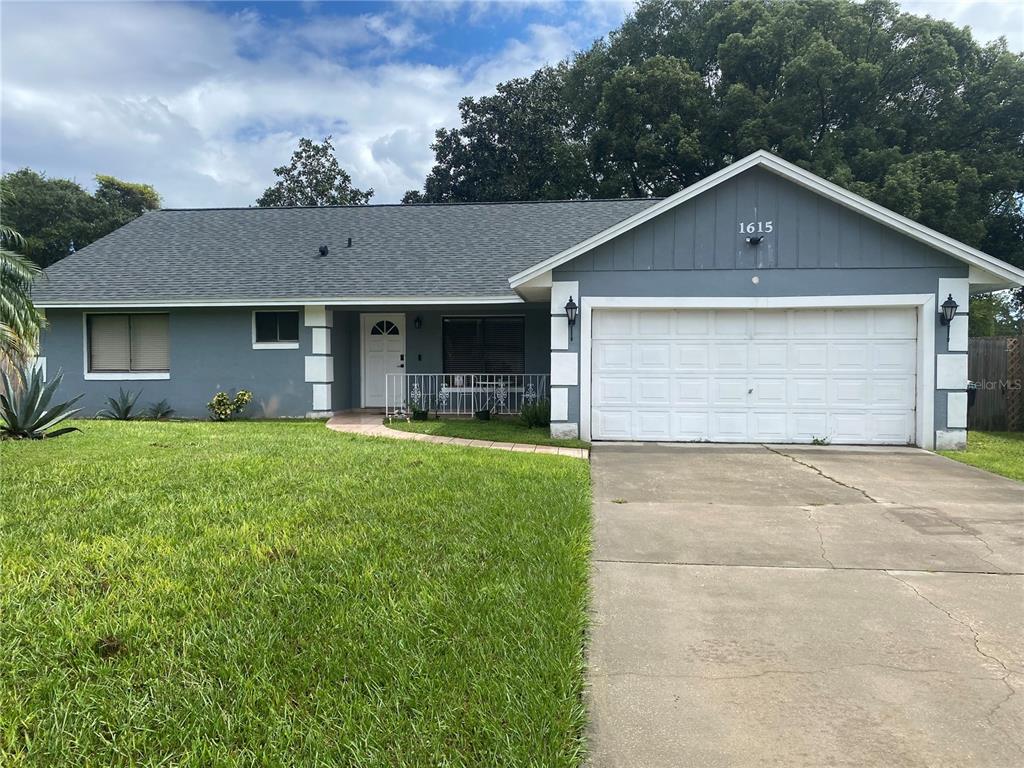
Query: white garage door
{"points": [[845, 376]]}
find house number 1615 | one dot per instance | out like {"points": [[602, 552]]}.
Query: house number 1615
{"points": [[751, 227]]}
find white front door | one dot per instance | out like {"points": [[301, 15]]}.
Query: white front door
{"points": [[786, 376], [383, 353]]}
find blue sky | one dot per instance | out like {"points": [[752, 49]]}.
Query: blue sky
{"points": [[204, 100]]}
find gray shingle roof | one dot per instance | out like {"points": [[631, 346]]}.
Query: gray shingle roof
{"points": [[467, 250]]}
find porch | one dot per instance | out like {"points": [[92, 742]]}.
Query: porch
{"points": [[452, 359]]}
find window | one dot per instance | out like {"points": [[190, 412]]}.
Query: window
{"points": [[484, 344], [128, 344], [275, 329]]}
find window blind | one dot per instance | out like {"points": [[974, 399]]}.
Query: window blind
{"points": [[109, 345], [150, 348], [484, 345], [126, 343]]}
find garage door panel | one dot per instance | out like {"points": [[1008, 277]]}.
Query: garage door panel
{"points": [[729, 426], [691, 391], [805, 426], [693, 323], [849, 393], [653, 425], [729, 391], [767, 391], [691, 356], [613, 356], [768, 356], [808, 393], [731, 323], [689, 425], [894, 357], [725, 357], [845, 376], [769, 426], [653, 391], [652, 356], [610, 390]]}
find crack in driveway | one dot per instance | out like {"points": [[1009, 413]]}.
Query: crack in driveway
{"points": [[1011, 691], [861, 491]]}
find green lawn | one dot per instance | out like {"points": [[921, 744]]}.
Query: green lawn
{"points": [[279, 594], [498, 430], [999, 452]]}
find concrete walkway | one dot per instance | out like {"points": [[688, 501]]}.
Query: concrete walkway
{"points": [[368, 423], [786, 606]]}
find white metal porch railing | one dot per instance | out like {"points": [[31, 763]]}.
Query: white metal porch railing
{"points": [[463, 394]]}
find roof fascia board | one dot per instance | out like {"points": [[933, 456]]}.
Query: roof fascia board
{"points": [[805, 179], [389, 301]]}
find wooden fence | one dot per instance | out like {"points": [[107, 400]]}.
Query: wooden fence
{"points": [[996, 367]]}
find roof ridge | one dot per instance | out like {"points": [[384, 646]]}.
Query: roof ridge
{"points": [[412, 205]]}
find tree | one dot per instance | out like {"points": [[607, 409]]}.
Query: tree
{"points": [[20, 321], [53, 214], [313, 177], [909, 112]]}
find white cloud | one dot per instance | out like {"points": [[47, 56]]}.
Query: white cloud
{"points": [[204, 105], [988, 19]]}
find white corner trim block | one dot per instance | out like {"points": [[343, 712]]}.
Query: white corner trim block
{"points": [[951, 371], [319, 369], [559, 332], [958, 334], [956, 410], [559, 404], [561, 290], [950, 439], [321, 397], [317, 316], [564, 369], [321, 341], [959, 288], [565, 431]]}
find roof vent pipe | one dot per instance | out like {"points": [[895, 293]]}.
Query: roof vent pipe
{"points": [[323, 250], [349, 243]]}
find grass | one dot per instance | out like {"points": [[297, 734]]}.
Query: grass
{"points": [[278, 594], [999, 452], [497, 429]]}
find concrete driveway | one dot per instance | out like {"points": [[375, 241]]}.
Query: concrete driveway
{"points": [[810, 606]]}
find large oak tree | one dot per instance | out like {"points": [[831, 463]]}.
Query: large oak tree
{"points": [[910, 112]]}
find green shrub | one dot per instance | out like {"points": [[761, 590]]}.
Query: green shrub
{"points": [[25, 410], [121, 407], [159, 411], [223, 407], [536, 414]]}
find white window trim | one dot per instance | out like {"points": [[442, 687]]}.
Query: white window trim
{"points": [[271, 344], [923, 302], [116, 375]]}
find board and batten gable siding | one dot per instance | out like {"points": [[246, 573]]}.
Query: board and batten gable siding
{"points": [[808, 232], [816, 248]]}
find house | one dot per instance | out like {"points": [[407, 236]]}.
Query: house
{"points": [[761, 304]]}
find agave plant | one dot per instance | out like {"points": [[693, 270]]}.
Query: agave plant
{"points": [[121, 407], [25, 410], [159, 411]]}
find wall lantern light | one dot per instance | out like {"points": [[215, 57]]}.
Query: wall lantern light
{"points": [[949, 308], [570, 312], [418, 322]]}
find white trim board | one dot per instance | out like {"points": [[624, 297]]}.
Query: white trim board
{"points": [[807, 180], [368, 301], [923, 302]]}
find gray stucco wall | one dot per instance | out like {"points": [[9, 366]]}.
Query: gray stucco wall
{"points": [[210, 351], [816, 248]]}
